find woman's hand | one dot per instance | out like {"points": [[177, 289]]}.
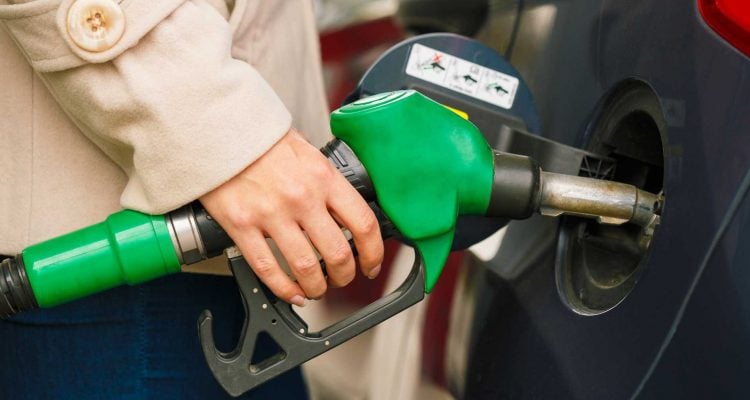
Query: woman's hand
{"points": [[293, 190]]}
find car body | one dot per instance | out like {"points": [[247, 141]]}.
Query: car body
{"points": [[682, 330]]}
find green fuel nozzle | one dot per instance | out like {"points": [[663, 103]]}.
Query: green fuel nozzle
{"points": [[427, 164]]}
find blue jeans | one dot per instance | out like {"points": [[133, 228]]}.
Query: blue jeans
{"points": [[128, 343]]}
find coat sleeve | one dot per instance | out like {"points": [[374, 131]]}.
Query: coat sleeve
{"points": [[166, 101]]}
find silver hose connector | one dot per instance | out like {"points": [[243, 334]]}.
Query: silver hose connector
{"points": [[186, 238]]}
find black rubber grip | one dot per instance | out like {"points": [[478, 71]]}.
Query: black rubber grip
{"points": [[515, 186], [214, 238], [15, 291], [346, 162]]}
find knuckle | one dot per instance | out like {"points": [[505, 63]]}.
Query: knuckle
{"points": [[340, 255], [305, 266], [368, 224], [264, 267], [265, 208], [241, 219], [322, 170], [297, 194]]}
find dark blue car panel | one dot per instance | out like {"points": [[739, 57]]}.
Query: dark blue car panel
{"points": [[708, 355], [526, 343]]}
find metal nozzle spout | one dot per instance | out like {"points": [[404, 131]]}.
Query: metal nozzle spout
{"points": [[613, 203], [609, 202]]}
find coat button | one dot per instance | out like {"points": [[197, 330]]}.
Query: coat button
{"points": [[95, 25]]}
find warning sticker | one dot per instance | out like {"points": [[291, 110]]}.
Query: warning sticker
{"points": [[462, 76]]}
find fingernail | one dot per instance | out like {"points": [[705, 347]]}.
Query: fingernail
{"points": [[374, 272], [298, 300]]}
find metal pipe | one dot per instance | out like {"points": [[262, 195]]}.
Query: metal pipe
{"points": [[613, 203]]}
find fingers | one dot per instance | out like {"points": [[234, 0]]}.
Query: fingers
{"points": [[331, 243], [255, 249], [290, 188], [354, 213], [301, 258]]}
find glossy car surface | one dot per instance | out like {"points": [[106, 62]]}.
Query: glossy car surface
{"points": [[684, 329]]}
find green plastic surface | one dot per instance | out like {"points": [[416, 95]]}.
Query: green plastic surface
{"points": [[129, 247], [427, 164]]}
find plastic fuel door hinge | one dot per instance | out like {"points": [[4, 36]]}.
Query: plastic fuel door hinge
{"points": [[427, 164]]}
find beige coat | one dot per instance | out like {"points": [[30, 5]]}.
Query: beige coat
{"points": [[187, 96]]}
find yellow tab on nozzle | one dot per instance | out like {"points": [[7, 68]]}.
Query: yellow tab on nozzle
{"points": [[458, 112]]}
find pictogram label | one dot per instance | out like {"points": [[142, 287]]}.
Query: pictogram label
{"points": [[462, 76]]}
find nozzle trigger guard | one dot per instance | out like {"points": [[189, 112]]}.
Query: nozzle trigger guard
{"points": [[236, 370]]}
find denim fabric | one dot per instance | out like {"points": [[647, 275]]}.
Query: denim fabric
{"points": [[128, 343]]}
